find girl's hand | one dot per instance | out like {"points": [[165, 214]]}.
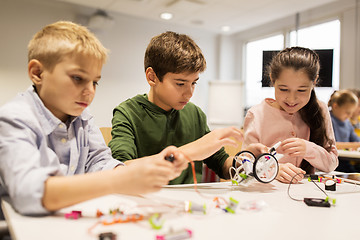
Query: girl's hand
{"points": [[287, 171], [293, 147]]}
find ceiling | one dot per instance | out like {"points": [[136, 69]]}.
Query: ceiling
{"points": [[210, 15]]}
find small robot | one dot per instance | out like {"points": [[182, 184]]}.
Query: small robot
{"points": [[247, 167]]}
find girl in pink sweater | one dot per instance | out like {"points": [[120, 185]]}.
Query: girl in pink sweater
{"points": [[295, 117]]}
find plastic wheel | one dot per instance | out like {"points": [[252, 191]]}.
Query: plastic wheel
{"points": [[265, 168]]}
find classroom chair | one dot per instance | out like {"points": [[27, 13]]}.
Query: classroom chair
{"points": [[106, 132]]}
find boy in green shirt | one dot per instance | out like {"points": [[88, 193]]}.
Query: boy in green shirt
{"points": [[145, 124]]}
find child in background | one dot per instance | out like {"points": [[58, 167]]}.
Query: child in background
{"points": [[51, 152], [355, 117], [295, 117], [146, 123], [342, 104]]}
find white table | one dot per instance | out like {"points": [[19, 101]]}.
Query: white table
{"points": [[281, 218], [351, 155]]}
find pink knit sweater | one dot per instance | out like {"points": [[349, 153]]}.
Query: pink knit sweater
{"points": [[268, 125]]}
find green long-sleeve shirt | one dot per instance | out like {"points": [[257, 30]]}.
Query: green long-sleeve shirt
{"points": [[141, 128]]}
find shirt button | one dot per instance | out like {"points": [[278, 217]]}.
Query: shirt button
{"points": [[60, 125], [72, 168], [63, 140], [293, 134]]}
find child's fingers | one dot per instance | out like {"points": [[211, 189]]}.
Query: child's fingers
{"points": [[151, 188], [236, 133], [288, 140], [257, 148], [168, 151], [287, 146], [296, 170], [164, 171], [295, 154], [290, 150], [181, 161], [294, 148], [288, 172], [287, 176], [289, 143], [159, 175]]}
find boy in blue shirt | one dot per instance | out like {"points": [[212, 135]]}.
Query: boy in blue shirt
{"points": [[52, 154], [343, 103]]}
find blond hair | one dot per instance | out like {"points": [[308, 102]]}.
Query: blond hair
{"points": [[342, 97], [63, 38]]}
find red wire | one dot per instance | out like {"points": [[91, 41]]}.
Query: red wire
{"points": [[194, 175], [195, 180]]}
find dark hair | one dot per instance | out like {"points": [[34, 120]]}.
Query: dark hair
{"points": [[175, 53], [306, 60]]}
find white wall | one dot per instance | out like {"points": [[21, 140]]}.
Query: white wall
{"points": [[123, 75]]}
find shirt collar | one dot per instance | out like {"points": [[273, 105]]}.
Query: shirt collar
{"points": [[338, 121], [144, 100], [46, 118]]}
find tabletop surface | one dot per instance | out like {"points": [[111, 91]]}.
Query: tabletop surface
{"points": [[349, 154], [264, 211]]}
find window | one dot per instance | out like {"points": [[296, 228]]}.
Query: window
{"points": [[254, 57], [325, 36], [322, 36]]}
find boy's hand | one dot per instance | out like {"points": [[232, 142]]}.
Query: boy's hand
{"points": [[149, 174], [180, 161], [287, 171], [212, 142], [257, 148], [293, 147]]}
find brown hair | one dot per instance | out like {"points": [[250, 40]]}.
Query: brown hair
{"points": [[356, 91], [306, 60], [342, 97], [61, 39], [175, 53]]}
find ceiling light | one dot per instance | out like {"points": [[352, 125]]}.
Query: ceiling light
{"points": [[166, 16], [225, 28], [197, 22], [100, 20]]}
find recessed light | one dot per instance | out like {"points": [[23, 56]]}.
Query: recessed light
{"points": [[225, 28], [166, 16], [197, 22]]}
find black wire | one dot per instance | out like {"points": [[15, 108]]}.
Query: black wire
{"points": [[288, 191], [319, 188]]}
